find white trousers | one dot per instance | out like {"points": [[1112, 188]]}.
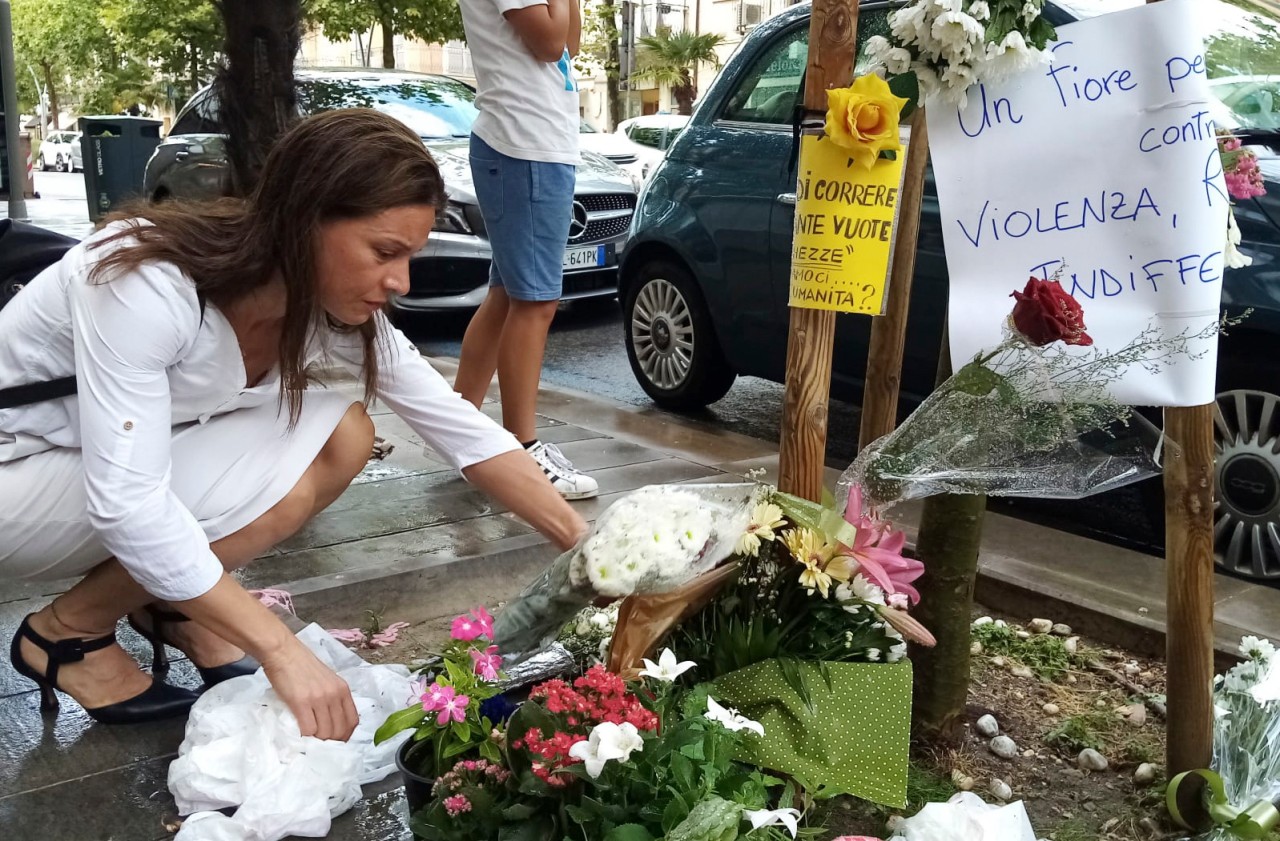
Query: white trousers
{"points": [[228, 472]]}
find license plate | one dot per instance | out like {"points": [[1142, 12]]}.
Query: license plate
{"points": [[584, 258]]}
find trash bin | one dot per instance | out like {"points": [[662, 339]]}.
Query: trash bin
{"points": [[115, 151]]}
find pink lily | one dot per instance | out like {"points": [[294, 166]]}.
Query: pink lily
{"points": [[878, 550], [487, 663], [436, 697], [485, 621], [455, 709], [466, 628]]}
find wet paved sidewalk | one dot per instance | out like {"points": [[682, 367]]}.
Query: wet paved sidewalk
{"points": [[414, 541]]}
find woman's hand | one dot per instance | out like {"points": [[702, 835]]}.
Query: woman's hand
{"points": [[318, 698]]}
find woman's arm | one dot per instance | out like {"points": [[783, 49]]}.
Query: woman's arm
{"points": [[468, 439], [319, 699], [515, 480]]}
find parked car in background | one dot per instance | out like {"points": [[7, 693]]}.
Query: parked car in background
{"points": [[652, 135], [452, 270], [620, 151], [705, 278], [60, 151]]}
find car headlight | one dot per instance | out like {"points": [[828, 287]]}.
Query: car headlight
{"points": [[452, 220]]}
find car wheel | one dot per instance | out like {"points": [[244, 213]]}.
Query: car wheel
{"points": [[1246, 530], [44, 164], [671, 343]]}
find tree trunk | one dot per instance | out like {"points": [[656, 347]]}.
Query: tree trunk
{"points": [[684, 94], [53, 96], [388, 42], [195, 69], [255, 84], [613, 65], [950, 534], [948, 543]]}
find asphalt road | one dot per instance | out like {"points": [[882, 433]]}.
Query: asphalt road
{"points": [[585, 352]]}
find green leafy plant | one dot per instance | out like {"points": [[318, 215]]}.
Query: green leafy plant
{"points": [[447, 719]]}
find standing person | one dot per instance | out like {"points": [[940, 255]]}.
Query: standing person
{"points": [[201, 434], [524, 155]]}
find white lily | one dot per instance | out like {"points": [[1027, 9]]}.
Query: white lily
{"points": [[666, 669], [731, 719], [607, 741], [790, 818]]}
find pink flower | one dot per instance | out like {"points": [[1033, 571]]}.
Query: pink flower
{"points": [[466, 628], [436, 697], [387, 635], [485, 621], [455, 708], [878, 550], [488, 663], [456, 805]]}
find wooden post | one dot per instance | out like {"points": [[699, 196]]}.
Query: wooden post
{"points": [[889, 332], [833, 28], [1188, 536], [1188, 505]]}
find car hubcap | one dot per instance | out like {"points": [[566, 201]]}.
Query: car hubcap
{"points": [[1247, 503], [662, 334]]}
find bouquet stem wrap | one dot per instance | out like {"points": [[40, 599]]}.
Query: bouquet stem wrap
{"points": [[1022, 420], [649, 542]]}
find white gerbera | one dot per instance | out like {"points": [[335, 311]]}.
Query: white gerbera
{"points": [[958, 34], [896, 60]]}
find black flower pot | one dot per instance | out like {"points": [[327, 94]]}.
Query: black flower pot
{"points": [[417, 788]]}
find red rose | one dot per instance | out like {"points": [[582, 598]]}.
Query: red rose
{"points": [[1045, 313]]}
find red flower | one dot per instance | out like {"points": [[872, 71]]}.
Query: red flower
{"points": [[1045, 313]]}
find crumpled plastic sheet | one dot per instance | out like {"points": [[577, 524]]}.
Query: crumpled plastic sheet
{"points": [[965, 817], [243, 749]]}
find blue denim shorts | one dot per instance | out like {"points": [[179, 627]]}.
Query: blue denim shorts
{"points": [[527, 208]]}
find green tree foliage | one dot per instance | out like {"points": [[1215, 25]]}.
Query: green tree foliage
{"points": [[430, 21], [600, 48], [181, 38], [110, 55], [672, 58]]}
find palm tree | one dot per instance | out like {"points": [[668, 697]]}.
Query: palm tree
{"points": [[672, 58]]}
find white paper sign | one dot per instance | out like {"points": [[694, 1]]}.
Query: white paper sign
{"points": [[1104, 160]]}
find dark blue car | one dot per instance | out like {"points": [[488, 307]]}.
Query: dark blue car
{"points": [[704, 281]]}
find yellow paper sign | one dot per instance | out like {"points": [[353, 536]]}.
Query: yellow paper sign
{"points": [[845, 216]]}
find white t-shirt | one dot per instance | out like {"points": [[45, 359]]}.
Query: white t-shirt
{"points": [[528, 108]]}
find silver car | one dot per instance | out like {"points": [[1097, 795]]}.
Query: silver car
{"points": [[452, 271]]}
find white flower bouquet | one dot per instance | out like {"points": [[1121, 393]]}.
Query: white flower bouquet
{"points": [[650, 541], [1242, 792], [952, 45]]}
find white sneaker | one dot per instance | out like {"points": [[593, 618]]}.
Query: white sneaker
{"points": [[570, 482]]}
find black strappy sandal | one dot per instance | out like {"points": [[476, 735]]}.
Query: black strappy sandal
{"points": [[160, 700], [213, 675]]}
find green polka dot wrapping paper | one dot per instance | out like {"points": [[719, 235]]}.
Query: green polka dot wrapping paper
{"points": [[855, 742]]}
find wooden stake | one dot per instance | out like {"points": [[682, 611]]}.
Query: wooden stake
{"points": [[889, 332], [1188, 505], [833, 28], [1188, 540]]}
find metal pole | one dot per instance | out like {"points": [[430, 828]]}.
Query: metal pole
{"points": [[12, 120]]}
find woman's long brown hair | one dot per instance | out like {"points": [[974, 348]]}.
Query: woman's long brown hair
{"points": [[337, 165]]}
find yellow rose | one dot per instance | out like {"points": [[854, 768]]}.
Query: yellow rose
{"points": [[863, 118]]}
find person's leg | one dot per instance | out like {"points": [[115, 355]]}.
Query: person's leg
{"points": [[97, 602], [479, 357], [520, 353]]}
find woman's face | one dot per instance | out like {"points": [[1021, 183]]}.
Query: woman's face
{"points": [[363, 261]]}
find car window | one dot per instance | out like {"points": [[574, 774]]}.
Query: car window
{"points": [[434, 107], [646, 136], [771, 89], [199, 117]]}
